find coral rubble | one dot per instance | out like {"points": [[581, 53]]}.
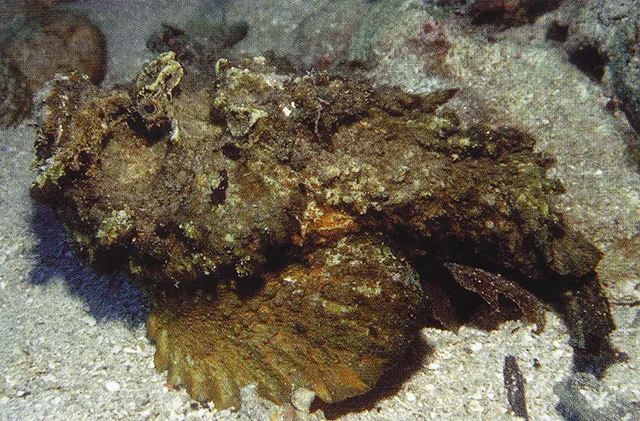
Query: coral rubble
{"points": [[291, 230]]}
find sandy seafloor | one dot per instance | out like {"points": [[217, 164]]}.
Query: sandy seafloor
{"points": [[73, 344]]}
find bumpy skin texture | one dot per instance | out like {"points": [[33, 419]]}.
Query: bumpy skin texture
{"points": [[332, 325], [275, 219]]}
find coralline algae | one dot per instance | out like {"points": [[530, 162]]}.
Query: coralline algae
{"points": [[293, 230]]}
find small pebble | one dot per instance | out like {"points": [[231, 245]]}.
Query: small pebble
{"points": [[475, 406], [49, 377], [89, 320], [112, 386], [175, 404], [476, 346], [433, 366], [411, 397], [558, 353]]}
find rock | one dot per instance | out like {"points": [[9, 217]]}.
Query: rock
{"points": [[509, 13], [16, 96], [327, 32], [40, 43], [112, 386], [583, 397], [605, 37], [200, 52], [625, 68], [619, 270], [57, 41]]}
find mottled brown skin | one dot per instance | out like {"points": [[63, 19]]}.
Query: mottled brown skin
{"points": [[331, 328], [216, 199]]}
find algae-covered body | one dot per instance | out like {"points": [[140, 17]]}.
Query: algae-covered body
{"points": [[286, 226]]}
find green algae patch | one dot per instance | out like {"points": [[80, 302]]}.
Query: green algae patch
{"points": [[114, 227]]}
